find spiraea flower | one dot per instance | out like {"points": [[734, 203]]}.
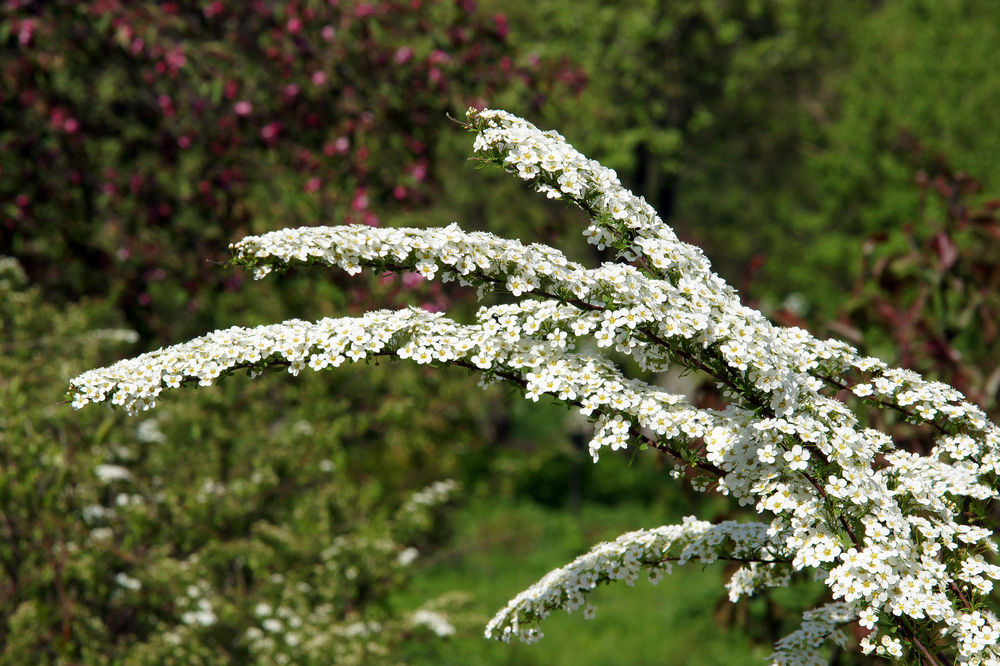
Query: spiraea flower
{"points": [[881, 526]]}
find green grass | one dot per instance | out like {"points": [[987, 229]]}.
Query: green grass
{"points": [[499, 550]]}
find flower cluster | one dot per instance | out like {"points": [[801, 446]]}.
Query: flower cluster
{"points": [[881, 526], [818, 626], [624, 558]]}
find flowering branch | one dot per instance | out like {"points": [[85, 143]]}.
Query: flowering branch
{"points": [[884, 528], [655, 550]]}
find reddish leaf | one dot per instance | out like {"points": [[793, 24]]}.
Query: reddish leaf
{"points": [[945, 249]]}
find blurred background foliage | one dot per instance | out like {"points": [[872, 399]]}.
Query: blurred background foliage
{"points": [[835, 158]]}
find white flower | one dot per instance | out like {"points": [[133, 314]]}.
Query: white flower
{"points": [[407, 556], [435, 621], [128, 583], [766, 453], [109, 473], [798, 458], [862, 390]]}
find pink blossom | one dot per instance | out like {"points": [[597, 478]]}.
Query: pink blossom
{"points": [[411, 279], [184, 141], [438, 57], [403, 55], [26, 32], [176, 58], [242, 108], [270, 132], [294, 25], [501, 23], [312, 185], [57, 116], [342, 144], [71, 125], [360, 201], [319, 78], [328, 33]]}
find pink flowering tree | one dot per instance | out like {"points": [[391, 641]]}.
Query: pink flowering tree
{"points": [[134, 133], [902, 541]]}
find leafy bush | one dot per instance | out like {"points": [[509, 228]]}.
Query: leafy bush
{"points": [[927, 296], [264, 526]]}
